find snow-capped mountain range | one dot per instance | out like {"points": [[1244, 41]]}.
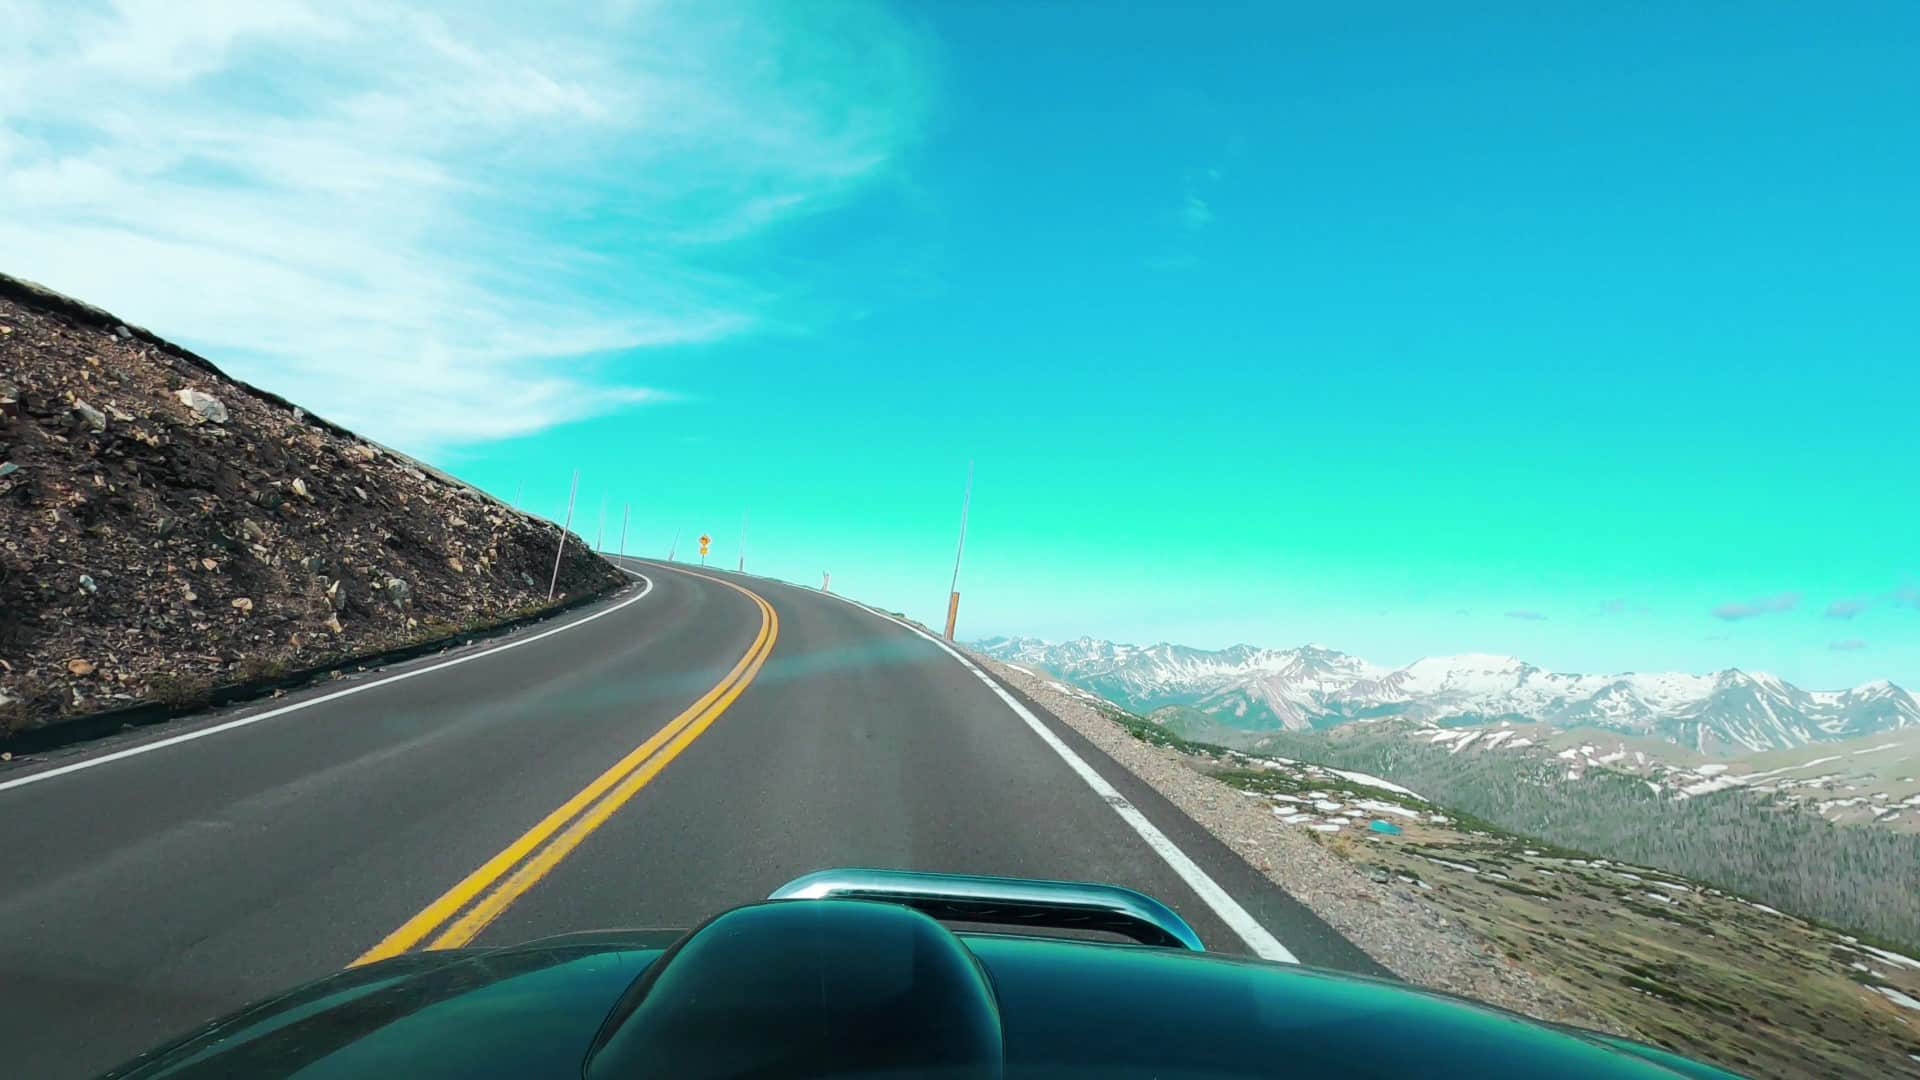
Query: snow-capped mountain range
{"points": [[1311, 687]]}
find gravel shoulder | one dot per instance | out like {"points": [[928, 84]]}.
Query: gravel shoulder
{"points": [[1456, 904], [1391, 923]]}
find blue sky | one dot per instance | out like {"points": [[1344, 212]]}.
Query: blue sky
{"points": [[1586, 337]]}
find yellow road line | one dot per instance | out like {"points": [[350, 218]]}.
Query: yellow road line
{"points": [[531, 871], [623, 779]]}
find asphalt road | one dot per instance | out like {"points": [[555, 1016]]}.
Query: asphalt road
{"points": [[677, 749]]}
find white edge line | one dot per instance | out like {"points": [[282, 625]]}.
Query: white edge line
{"points": [[148, 748], [1237, 918]]}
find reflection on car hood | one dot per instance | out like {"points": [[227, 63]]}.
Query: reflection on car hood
{"points": [[1069, 1008]]}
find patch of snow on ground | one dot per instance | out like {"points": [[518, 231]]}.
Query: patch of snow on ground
{"points": [[1021, 670], [1711, 770], [1896, 997], [1496, 738], [1674, 885], [1893, 957], [1718, 783], [1325, 826], [1386, 808], [1453, 865], [1374, 781], [1791, 768], [1662, 897], [1326, 805]]}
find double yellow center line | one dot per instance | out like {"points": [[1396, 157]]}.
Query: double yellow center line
{"points": [[464, 910]]}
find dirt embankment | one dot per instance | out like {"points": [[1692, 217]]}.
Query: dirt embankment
{"points": [[165, 530]]}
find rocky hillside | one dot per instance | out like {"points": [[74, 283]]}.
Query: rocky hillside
{"points": [[165, 529]]}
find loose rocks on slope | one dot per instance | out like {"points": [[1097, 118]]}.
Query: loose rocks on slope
{"points": [[164, 529]]}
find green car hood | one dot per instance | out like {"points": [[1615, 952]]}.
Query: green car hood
{"points": [[1066, 1008]]}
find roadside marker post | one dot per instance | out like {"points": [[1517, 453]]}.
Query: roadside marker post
{"points": [[743, 543], [826, 581], [953, 591], [676, 546], [562, 549], [624, 512], [706, 542], [600, 537]]}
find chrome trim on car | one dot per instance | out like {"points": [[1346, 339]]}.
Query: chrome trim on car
{"points": [[1054, 905]]}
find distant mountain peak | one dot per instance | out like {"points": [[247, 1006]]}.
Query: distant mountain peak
{"points": [[1310, 686]]}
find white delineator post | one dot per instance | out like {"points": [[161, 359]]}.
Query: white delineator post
{"points": [[624, 512], [953, 591], [562, 549], [743, 542]]}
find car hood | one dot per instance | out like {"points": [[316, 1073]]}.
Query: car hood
{"points": [[1067, 1008]]}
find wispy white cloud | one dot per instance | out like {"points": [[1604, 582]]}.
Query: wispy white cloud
{"points": [[1849, 645], [1527, 616], [436, 225], [1845, 609], [1195, 214], [1772, 605]]}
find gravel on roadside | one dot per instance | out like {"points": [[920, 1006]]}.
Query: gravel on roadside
{"points": [[1388, 921]]}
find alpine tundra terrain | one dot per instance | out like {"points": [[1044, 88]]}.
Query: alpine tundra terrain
{"points": [[1828, 830], [1562, 931], [167, 531]]}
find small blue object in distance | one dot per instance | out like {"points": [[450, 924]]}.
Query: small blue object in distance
{"points": [[1387, 827]]}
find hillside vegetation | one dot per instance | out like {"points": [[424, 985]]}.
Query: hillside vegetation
{"points": [[1609, 944], [1763, 846]]}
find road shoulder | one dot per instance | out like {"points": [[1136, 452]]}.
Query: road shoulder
{"points": [[1392, 932]]}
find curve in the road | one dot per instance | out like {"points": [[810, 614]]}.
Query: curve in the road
{"points": [[1257, 937], [478, 899]]}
